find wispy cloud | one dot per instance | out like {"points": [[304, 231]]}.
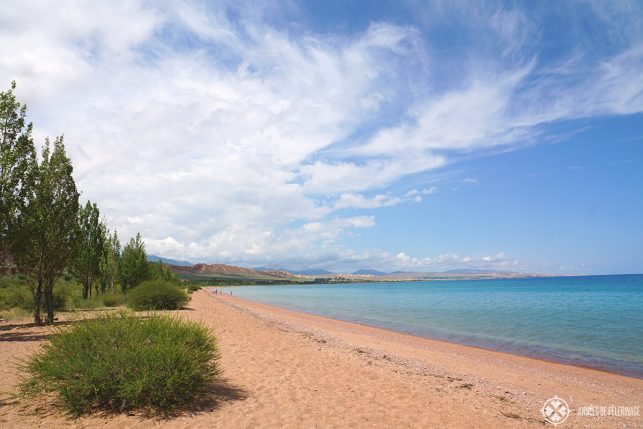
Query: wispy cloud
{"points": [[221, 135]]}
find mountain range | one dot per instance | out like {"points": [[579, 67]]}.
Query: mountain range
{"points": [[263, 274]]}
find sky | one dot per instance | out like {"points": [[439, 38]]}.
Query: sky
{"points": [[339, 135]]}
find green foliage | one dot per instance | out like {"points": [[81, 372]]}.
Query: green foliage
{"points": [[194, 287], [160, 271], [109, 263], [89, 247], [112, 299], [17, 154], [120, 362], [68, 296], [15, 294], [157, 295], [45, 231], [133, 267]]}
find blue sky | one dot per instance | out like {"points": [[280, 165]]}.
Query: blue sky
{"points": [[345, 134]]}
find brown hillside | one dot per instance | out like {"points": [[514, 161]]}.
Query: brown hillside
{"points": [[229, 270]]}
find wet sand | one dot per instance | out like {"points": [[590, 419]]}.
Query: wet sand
{"points": [[289, 369]]}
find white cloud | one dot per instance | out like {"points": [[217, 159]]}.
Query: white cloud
{"points": [[351, 200], [498, 261], [226, 139]]}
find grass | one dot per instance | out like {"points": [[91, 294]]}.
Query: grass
{"points": [[15, 294], [157, 295], [120, 362], [112, 299], [16, 298]]}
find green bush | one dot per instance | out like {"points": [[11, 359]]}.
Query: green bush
{"points": [[15, 293], [157, 295], [120, 362], [112, 300], [16, 298], [193, 288], [68, 296]]}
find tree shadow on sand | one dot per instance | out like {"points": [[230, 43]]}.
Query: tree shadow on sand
{"points": [[21, 336], [218, 393], [20, 332], [215, 395]]}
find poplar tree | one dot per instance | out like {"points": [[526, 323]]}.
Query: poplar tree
{"points": [[47, 226], [109, 262], [89, 247], [133, 267], [158, 270], [17, 155]]}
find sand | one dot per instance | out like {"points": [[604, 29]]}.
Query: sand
{"points": [[289, 369]]}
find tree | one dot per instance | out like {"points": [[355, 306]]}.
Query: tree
{"points": [[109, 262], [89, 247], [46, 229], [160, 271], [133, 267], [17, 153]]}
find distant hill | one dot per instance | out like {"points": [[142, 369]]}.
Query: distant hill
{"points": [[462, 274], [310, 272], [232, 272], [369, 272], [468, 271], [313, 272], [154, 258]]}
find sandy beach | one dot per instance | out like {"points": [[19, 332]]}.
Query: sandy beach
{"points": [[288, 369]]}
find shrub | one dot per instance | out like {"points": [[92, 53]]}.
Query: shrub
{"points": [[64, 296], [16, 298], [193, 288], [112, 300], [120, 362], [157, 295], [15, 293], [68, 296]]}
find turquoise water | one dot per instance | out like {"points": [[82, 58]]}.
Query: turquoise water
{"points": [[594, 321]]}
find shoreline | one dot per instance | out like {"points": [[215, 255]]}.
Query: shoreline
{"points": [[282, 368], [535, 356], [430, 341], [524, 381]]}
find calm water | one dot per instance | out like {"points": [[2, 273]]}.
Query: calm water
{"points": [[593, 321]]}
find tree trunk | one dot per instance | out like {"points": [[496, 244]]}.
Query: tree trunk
{"points": [[86, 289], [37, 299], [49, 296]]}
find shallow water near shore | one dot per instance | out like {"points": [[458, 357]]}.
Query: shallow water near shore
{"points": [[594, 321]]}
